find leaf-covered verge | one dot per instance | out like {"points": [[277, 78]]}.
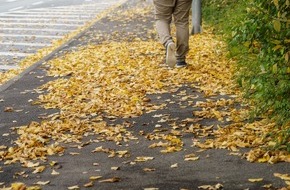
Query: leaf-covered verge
{"points": [[113, 80], [258, 36]]}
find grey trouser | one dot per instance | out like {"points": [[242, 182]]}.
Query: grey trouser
{"points": [[164, 9]]}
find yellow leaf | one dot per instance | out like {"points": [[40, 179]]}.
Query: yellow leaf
{"points": [[111, 180], [73, 187], [39, 169], [18, 186], [31, 164], [90, 184], [143, 159], [115, 168], [213, 187], [95, 177], [268, 186], [54, 172], [277, 47], [149, 169], [33, 188], [253, 180], [42, 182], [275, 68], [174, 165], [276, 3], [287, 183], [192, 158], [285, 177], [277, 25], [74, 153]]}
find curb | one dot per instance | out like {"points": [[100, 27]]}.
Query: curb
{"points": [[10, 82]]}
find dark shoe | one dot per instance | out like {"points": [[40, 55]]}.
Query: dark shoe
{"points": [[180, 64], [170, 54]]}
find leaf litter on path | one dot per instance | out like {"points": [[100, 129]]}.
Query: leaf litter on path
{"points": [[112, 79]]}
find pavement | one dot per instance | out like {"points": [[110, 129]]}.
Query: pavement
{"points": [[215, 168]]}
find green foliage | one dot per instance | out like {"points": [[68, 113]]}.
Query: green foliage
{"points": [[258, 33], [266, 33]]}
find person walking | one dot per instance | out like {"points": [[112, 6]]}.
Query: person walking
{"points": [[179, 10]]}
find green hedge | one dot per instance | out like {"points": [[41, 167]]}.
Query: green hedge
{"points": [[266, 32], [258, 32]]}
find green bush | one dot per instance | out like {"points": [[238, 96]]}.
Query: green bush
{"points": [[258, 32], [266, 32]]}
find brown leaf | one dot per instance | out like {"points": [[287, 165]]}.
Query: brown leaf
{"points": [[8, 109]]}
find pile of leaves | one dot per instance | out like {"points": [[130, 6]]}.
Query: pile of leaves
{"points": [[113, 79]]}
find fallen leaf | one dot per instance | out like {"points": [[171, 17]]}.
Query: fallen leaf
{"points": [[73, 187], [211, 187], [31, 164], [39, 169], [111, 180], [285, 177], [33, 188], [90, 184], [143, 159], [253, 180], [3, 147], [53, 163], [54, 172], [95, 177], [18, 186], [42, 182], [192, 158], [74, 153], [149, 169], [8, 109], [115, 168], [174, 165], [267, 186]]}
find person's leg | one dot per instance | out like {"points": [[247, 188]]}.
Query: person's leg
{"points": [[181, 19], [163, 16]]}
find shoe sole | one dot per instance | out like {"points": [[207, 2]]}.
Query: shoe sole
{"points": [[180, 66], [170, 55]]}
